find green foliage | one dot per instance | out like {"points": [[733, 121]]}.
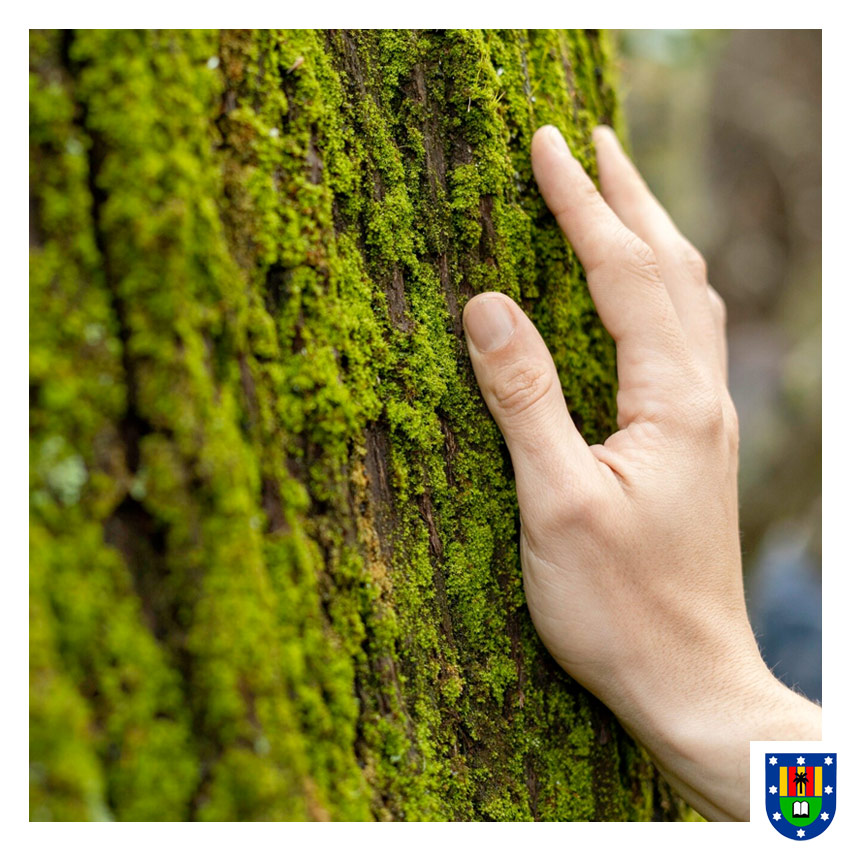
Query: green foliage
{"points": [[274, 566]]}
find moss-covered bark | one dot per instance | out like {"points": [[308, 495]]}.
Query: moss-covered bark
{"points": [[274, 569]]}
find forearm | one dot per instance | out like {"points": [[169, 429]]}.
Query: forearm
{"points": [[705, 753]]}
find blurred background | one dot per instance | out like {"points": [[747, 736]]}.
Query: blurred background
{"points": [[726, 128]]}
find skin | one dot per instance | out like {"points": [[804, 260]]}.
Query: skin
{"points": [[630, 550]]}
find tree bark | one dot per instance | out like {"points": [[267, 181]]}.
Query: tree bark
{"points": [[274, 566]]}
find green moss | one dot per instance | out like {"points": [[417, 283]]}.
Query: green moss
{"points": [[274, 528]]}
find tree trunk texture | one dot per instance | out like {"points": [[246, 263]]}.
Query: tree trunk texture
{"points": [[274, 566]]}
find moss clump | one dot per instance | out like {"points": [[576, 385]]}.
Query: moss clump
{"points": [[274, 530]]}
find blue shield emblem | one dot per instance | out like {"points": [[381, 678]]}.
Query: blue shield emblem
{"points": [[800, 792]]}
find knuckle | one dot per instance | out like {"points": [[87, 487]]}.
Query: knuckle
{"points": [[709, 422], [703, 413], [711, 417], [731, 423], [588, 194], [641, 258], [522, 385], [694, 263], [585, 196], [573, 508], [718, 306], [584, 510]]}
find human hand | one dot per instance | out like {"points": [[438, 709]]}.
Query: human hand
{"points": [[630, 550]]}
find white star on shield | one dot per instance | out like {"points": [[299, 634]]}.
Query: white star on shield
{"points": [[773, 760], [828, 760], [777, 816], [801, 760], [828, 789], [801, 833], [825, 816], [772, 789]]}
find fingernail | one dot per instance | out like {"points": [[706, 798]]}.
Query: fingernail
{"points": [[555, 139], [489, 323]]}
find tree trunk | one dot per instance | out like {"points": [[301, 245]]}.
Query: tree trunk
{"points": [[274, 566]]}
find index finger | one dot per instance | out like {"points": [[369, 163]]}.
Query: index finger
{"points": [[622, 274]]}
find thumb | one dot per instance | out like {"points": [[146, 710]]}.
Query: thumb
{"points": [[520, 384]]}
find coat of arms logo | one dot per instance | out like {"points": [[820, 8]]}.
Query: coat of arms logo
{"points": [[800, 792]]}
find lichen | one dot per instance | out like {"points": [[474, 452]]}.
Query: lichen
{"points": [[274, 566]]}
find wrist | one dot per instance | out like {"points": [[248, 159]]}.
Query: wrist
{"points": [[704, 750]]}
